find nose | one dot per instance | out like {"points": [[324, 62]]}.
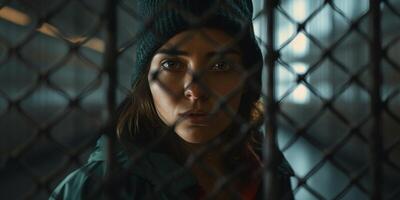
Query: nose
{"points": [[194, 89]]}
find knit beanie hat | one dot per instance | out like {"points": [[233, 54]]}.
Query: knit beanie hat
{"points": [[162, 19]]}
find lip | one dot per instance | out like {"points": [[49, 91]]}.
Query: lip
{"points": [[196, 117]]}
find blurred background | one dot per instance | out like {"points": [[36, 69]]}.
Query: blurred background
{"points": [[53, 91]]}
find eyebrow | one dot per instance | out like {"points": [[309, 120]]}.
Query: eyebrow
{"points": [[222, 53], [177, 52], [172, 52]]}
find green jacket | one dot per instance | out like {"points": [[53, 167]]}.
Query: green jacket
{"points": [[156, 176]]}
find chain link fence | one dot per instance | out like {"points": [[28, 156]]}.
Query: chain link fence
{"points": [[331, 83]]}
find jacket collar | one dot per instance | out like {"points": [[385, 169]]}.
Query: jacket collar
{"points": [[157, 168]]}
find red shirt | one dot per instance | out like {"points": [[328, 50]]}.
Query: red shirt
{"points": [[247, 190]]}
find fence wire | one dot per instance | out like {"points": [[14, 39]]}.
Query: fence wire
{"points": [[330, 88]]}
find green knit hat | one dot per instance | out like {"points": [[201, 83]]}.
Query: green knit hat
{"points": [[162, 19]]}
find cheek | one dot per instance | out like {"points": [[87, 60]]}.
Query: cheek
{"points": [[225, 86], [232, 105], [164, 102], [169, 82], [232, 89]]}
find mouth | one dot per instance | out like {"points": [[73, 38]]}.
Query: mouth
{"points": [[196, 118]]}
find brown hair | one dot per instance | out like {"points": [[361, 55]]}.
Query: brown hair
{"points": [[138, 114]]}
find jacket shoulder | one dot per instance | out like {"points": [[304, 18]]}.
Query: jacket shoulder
{"points": [[85, 183], [71, 188]]}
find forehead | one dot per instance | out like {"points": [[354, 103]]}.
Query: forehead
{"points": [[201, 39]]}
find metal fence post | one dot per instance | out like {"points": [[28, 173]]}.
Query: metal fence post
{"points": [[110, 67], [270, 148], [375, 137]]}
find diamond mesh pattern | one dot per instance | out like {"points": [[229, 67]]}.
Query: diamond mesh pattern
{"points": [[66, 65]]}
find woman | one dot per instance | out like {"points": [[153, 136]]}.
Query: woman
{"points": [[189, 129]]}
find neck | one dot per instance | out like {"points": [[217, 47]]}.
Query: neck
{"points": [[207, 163], [206, 154]]}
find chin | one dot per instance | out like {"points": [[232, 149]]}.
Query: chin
{"points": [[195, 136]]}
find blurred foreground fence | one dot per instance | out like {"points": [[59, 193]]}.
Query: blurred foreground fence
{"points": [[332, 78]]}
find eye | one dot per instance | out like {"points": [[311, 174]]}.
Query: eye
{"points": [[171, 65], [221, 66]]}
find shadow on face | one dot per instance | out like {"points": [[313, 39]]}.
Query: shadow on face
{"points": [[188, 77]]}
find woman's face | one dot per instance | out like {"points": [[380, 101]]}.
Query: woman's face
{"points": [[191, 104]]}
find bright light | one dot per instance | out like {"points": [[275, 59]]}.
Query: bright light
{"points": [[299, 67], [256, 27], [299, 45], [14, 16], [19, 18], [301, 94], [299, 10]]}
